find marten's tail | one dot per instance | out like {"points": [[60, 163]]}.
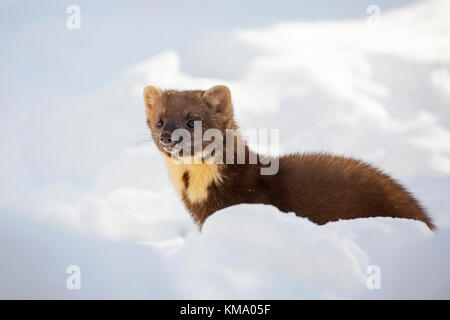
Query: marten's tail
{"points": [[427, 220], [407, 206], [416, 211]]}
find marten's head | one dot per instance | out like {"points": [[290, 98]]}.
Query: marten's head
{"points": [[168, 110]]}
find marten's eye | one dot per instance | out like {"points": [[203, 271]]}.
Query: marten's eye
{"points": [[190, 124], [160, 123]]}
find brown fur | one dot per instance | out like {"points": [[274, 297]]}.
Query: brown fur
{"points": [[320, 187]]}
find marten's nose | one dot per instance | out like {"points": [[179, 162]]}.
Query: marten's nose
{"points": [[165, 137]]}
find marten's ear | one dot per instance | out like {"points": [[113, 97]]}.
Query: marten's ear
{"points": [[151, 96], [219, 99]]}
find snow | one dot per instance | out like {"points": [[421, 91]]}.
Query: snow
{"points": [[244, 252], [101, 199]]}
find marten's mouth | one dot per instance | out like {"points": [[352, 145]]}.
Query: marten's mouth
{"points": [[169, 149], [180, 150], [172, 150]]}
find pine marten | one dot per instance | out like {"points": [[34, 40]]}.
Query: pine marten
{"points": [[318, 186]]}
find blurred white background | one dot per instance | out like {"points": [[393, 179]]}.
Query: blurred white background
{"points": [[81, 183]]}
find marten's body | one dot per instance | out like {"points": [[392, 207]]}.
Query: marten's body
{"points": [[320, 187]]}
